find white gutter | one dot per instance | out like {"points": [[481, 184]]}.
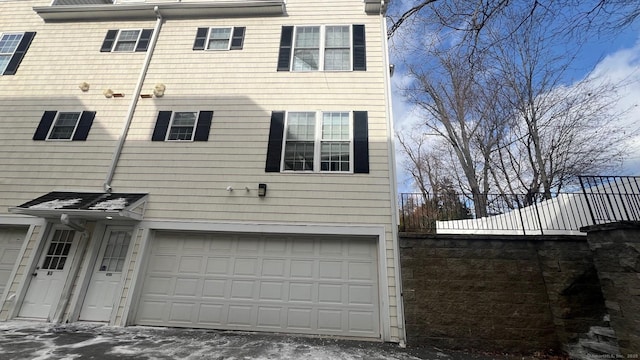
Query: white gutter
{"points": [[134, 101], [393, 182]]}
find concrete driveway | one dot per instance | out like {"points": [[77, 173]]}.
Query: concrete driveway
{"points": [[37, 340]]}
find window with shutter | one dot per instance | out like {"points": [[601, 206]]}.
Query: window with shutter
{"points": [[64, 126], [13, 47], [182, 126], [219, 38], [322, 48], [127, 40], [318, 142]]}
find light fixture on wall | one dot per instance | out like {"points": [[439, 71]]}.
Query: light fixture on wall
{"points": [[159, 89], [262, 190], [84, 86]]}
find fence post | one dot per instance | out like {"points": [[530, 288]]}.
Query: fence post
{"points": [[586, 197]]}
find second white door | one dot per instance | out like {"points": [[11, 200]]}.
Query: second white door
{"points": [[105, 281]]}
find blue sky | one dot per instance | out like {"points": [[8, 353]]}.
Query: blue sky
{"points": [[614, 55]]}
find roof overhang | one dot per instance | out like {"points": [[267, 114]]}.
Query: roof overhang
{"points": [[85, 206], [168, 10]]}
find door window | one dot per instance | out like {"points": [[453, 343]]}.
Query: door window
{"points": [[58, 250], [116, 251]]}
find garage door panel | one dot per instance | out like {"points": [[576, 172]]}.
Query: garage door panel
{"points": [[163, 263], [300, 292], [217, 265], [273, 267], [242, 289], [329, 270], [302, 269], [361, 271], [245, 266], [263, 283], [270, 317], [211, 314], [271, 290], [361, 295], [190, 264], [188, 287], [11, 240], [240, 315], [214, 288]]}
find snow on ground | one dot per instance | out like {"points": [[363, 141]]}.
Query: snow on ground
{"points": [[44, 341]]}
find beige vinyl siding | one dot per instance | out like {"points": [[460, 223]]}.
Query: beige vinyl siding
{"points": [[187, 180]]}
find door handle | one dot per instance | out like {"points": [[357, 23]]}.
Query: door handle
{"points": [[34, 274]]}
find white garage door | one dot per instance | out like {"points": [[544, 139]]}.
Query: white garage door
{"points": [[10, 243], [297, 284]]}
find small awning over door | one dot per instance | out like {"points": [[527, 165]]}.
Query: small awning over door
{"points": [[86, 205]]}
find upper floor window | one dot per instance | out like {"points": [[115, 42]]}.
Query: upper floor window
{"points": [[126, 40], [13, 47], [328, 48], [62, 125], [325, 141], [219, 38], [182, 126]]}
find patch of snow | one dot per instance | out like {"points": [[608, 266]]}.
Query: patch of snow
{"points": [[113, 204], [55, 204]]}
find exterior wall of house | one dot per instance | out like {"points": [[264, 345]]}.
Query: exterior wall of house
{"points": [[187, 181]]}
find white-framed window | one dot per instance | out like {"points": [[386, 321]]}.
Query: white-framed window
{"points": [[8, 45], [318, 141], [322, 48], [127, 40], [182, 126], [64, 126], [219, 38]]}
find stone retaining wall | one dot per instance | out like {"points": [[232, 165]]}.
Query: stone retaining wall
{"points": [[616, 249], [510, 293]]}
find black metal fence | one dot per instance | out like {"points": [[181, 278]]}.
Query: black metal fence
{"points": [[509, 214], [612, 198], [603, 199]]}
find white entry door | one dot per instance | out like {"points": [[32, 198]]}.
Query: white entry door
{"points": [[50, 275], [105, 280]]}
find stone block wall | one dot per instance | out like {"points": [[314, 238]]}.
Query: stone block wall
{"points": [[511, 293], [616, 249]]}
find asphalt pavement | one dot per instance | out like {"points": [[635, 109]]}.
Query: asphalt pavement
{"points": [[40, 340]]}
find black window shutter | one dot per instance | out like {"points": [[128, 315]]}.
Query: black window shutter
{"points": [[201, 39], [359, 49], [143, 42], [45, 124], [360, 142], [86, 120], [109, 40], [21, 50], [203, 126], [274, 149], [286, 41], [162, 125], [237, 40]]}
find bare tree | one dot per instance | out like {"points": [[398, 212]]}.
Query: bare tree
{"points": [[502, 102], [556, 125]]}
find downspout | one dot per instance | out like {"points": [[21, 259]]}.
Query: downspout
{"points": [[134, 102], [393, 182]]}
